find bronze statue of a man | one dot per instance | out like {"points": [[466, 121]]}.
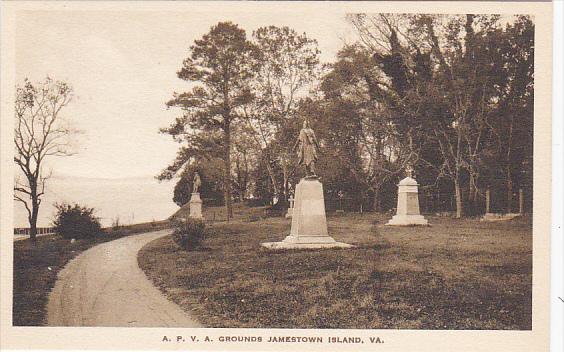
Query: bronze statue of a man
{"points": [[197, 183], [307, 148]]}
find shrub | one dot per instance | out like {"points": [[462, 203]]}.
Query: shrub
{"points": [[75, 221], [188, 233]]}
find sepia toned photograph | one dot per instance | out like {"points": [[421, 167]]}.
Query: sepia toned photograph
{"points": [[355, 170]]}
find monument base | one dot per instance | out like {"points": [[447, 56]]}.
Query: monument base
{"points": [[196, 206], [289, 213], [309, 224], [288, 245], [305, 242], [407, 220]]}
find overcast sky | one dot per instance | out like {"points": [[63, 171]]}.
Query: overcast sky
{"points": [[123, 66]]}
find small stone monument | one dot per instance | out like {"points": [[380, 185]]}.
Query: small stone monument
{"points": [[341, 195], [290, 208], [309, 224], [195, 200], [408, 203]]}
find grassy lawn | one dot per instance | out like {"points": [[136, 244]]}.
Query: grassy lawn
{"points": [[36, 267], [457, 274]]}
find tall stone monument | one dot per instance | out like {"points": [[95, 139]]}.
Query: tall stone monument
{"points": [[408, 203], [309, 224], [195, 200]]}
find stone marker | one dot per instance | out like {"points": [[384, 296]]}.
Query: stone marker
{"points": [[309, 224], [341, 195], [196, 206], [290, 208], [408, 204]]}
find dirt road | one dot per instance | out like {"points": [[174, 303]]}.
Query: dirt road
{"points": [[104, 286]]}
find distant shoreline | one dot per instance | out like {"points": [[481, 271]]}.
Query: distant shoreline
{"points": [[127, 201]]}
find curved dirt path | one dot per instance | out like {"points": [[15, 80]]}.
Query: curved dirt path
{"points": [[104, 286]]}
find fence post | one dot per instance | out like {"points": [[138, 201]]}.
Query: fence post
{"points": [[521, 201], [487, 201]]}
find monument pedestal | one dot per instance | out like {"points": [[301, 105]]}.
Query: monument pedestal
{"points": [[408, 205], [289, 213], [309, 224], [196, 206]]}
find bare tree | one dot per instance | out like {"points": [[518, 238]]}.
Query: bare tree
{"points": [[39, 132]]}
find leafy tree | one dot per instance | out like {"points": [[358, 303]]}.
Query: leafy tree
{"points": [[442, 78], [364, 136], [269, 172], [219, 67], [512, 119], [40, 132], [471, 67], [244, 157], [287, 63], [211, 173]]}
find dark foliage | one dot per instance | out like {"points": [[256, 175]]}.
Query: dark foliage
{"points": [[210, 172], [75, 221], [188, 233]]}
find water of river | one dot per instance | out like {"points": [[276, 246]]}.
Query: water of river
{"points": [[132, 200]]}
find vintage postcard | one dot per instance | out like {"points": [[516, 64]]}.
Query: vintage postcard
{"points": [[367, 176]]}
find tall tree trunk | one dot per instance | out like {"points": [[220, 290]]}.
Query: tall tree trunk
{"points": [[376, 199], [508, 168], [286, 190], [239, 175], [33, 214], [473, 194], [33, 220], [275, 189], [509, 191], [227, 170], [285, 181], [245, 176], [458, 195]]}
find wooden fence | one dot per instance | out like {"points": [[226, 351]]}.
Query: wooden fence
{"points": [[40, 230]]}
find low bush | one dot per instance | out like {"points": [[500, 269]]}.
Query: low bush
{"points": [[188, 233], [75, 221]]}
